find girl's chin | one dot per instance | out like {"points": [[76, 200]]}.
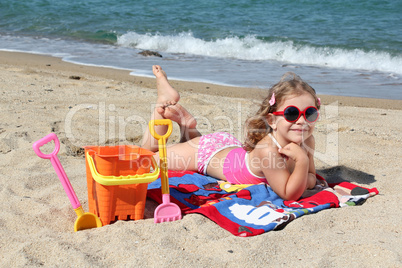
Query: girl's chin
{"points": [[298, 141], [299, 137]]}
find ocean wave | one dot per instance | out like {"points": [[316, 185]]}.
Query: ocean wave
{"points": [[254, 49]]}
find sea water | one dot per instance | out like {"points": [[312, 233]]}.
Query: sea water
{"points": [[341, 47]]}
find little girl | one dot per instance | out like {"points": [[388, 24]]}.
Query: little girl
{"points": [[279, 144]]}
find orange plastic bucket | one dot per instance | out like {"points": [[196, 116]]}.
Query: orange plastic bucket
{"points": [[117, 181]]}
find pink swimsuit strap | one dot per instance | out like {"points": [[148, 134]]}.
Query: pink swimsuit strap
{"points": [[236, 170]]}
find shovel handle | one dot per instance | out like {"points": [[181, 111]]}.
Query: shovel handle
{"points": [[48, 138], [162, 149], [57, 166], [160, 122], [161, 138]]}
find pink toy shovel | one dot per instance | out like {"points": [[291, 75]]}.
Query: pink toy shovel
{"points": [[85, 220], [166, 211]]}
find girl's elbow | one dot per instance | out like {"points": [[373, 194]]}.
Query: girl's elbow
{"points": [[290, 196]]}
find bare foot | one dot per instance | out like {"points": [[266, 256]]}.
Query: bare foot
{"points": [[166, 93], [177, 113]]}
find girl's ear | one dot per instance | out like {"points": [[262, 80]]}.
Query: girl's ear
{"points": [[271, 121]]}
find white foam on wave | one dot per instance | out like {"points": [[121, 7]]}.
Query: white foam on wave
{"points": [[254, 49]]}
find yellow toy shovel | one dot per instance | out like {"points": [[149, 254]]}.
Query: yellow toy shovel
{"points": [[166, 211]]}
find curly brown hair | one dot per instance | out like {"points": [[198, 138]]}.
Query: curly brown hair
{"points": [[257, 126]]}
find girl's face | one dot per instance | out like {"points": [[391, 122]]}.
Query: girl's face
{"points": [[298, 131]]}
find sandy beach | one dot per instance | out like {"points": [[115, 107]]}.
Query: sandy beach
{"points": [[358, 140]]}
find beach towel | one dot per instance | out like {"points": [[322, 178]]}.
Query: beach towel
{"points": [[249, 210]]}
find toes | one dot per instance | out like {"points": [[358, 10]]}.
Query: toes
{"points": [[156, 69], [169, 103], [160, 110]]}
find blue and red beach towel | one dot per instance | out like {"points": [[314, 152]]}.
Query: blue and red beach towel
{"points": [[248, 210]]}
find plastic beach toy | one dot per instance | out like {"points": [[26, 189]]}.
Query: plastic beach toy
{"points": [[85, 220], [117, 181], [167, 211]]}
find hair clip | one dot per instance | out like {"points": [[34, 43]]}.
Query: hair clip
{"points": [[272, 100], [319, 101]]}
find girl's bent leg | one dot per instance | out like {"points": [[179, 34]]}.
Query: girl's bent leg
{"points": [[167, 95], [168, 108]]}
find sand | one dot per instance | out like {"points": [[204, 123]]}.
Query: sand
{"points": [[357, 139]]}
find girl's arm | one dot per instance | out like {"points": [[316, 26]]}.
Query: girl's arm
{"points": [[309, 146], [289, 186], [312, 178]]}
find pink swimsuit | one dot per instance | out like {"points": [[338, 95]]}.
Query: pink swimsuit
{"points": [[235, 166], [236, 169]]}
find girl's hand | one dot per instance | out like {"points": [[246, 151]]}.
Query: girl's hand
{"points": [[311, 181], [295, 152]]}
